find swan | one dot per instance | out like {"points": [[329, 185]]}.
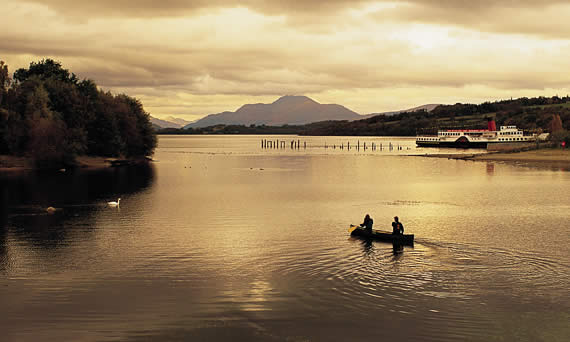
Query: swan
{"points": [[114, 204]]}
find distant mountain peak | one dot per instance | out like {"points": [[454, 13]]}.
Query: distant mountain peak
{"points": [[294, 99], [289, 109]]}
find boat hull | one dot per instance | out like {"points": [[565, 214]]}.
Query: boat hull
{"points": [[452, 144], [403, 239]]}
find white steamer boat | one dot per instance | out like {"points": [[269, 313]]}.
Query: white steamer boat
{"points": [[477, 138]]}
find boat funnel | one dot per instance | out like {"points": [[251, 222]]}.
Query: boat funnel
{"points": [[491, 124]]}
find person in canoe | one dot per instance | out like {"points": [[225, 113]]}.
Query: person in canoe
{"points": [[367, 224], [397, 226]]}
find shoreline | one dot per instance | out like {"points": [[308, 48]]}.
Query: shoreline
{"points": [[544, 156], [21, 164]]}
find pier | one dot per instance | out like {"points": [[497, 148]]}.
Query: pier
{"points": [[271, 144]]}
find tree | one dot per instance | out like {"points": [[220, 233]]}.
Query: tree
{"points": [[47, 143], [4, 80], [555, 124], [52, 117], [45, 69]]}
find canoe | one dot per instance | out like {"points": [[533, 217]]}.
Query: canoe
{"points": [[404, 239]]}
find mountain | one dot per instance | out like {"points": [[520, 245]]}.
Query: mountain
{"points": [[180, 122], [291, 110], [426, 107], [169, 122]]}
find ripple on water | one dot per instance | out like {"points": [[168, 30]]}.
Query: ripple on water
{"points": [[422, 280]]}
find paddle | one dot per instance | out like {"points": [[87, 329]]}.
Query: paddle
{"points": [[352, 228]]}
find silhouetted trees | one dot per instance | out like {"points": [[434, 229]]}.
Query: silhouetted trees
{"points": [[48, 114]]}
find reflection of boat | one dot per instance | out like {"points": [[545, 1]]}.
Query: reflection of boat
{"points": [[403, 239], [479, 138]]}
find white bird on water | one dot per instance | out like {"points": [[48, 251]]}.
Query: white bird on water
{"points": [[114, 204]]}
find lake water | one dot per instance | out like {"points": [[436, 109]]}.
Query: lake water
{"points": [[221, 240]]}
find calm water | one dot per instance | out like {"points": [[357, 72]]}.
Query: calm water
{"points": [[220, 240]]}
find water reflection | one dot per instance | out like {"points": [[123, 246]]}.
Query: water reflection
{"points": [[490, 169], [75, 197], [397, 249], [368, 246], [74, 187]]}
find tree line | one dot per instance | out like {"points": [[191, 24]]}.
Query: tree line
{"points": [[532, 114], [49, 115], [540, 114]]}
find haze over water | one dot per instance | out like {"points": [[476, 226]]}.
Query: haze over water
{"points": [[222, 240]]}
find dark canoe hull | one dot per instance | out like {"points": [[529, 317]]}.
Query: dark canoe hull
{"points": [[405, 239]]}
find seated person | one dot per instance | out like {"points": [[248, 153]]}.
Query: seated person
{"points": [[397, 226], [368, 222]]}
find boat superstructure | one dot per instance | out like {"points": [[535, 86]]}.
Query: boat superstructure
{"points": [[478, 138]]}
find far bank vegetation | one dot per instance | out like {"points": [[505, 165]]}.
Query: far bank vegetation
{"points": [[50, 116]]}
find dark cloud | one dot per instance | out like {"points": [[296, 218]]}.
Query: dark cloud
{"points": [[152, 8], [547, 19], [484, 4], [278, 69]]}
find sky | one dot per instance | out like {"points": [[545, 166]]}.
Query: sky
{"points": [[189, 59]]}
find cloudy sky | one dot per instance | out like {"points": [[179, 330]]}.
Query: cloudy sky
{"points": [[192, 58]]}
